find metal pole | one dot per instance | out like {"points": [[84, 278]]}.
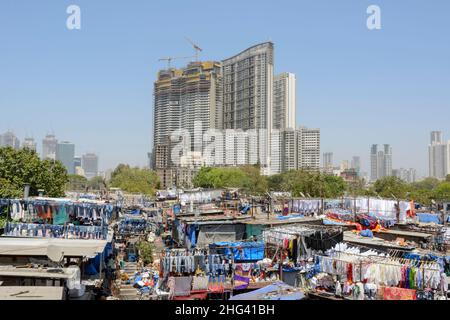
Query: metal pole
{"points": [[281, 263], [368, 204], [398, 211], [101, 263], [232, 272]]}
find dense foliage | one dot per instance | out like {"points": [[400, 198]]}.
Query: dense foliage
{"points": [[77, 183], [316, 184], [247, 178], [19, 167], [82, 184], [134, 180], [310, 183], [145, 252]]}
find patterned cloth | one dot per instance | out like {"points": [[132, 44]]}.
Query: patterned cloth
{"points": [[394, 293]]}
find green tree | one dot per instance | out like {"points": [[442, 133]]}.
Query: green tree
{"points": [[20, 167], [391, 186], [8, 190], [357, 188], [333, 186], [442, 192], [246, 178], [305, 182], [98, 184], [145, 252], [77, 183], [134, 180], [426, 184]]}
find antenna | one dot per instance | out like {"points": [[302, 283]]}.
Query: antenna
{"points": [[196, 48]]}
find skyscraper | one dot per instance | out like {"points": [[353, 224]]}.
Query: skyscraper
{"points": [[184, 96], [356, 164], [29, 143], [167, 112], [248, 94], [49, 145], [438, 156], [435, 137], [9, 139], [65, 152], [328, 161], [77, 165], [380, 161], [188, 99], [284, 101], [89, 164], [387, 160]]}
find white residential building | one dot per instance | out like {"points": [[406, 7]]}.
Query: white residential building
{"points": [[308, 148], [408, 175]]}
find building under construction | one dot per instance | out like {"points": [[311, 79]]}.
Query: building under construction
{"points": [[183, 97]]}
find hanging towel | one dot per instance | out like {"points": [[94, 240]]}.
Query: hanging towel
{"points": [[60, 217]]}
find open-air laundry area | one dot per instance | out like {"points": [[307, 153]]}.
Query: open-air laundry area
{"points": [[56, 248], [223, 245]]}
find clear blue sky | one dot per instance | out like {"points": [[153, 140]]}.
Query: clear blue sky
{"points": [[94, 86]]}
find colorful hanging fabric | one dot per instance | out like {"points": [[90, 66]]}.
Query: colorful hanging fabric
{"points": [[412, 278], [393, 293], [349, 272], [60, 216]]}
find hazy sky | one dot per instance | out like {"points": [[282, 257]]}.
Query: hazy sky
{"points": [[94, 86]]}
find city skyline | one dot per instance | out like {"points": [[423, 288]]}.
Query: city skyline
{"points": [[53, 149], [369, 89]]}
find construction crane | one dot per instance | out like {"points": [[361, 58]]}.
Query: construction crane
{"points": [[196, 48], [169, 59]]}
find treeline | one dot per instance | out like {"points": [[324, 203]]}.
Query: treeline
{"points": [[128, 179], [320, 185], [21, 167]]}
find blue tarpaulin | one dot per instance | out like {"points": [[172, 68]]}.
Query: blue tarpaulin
{"points": [[428, 217], [291, 216], [332, 222], [276, 291], [242, 250]]}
